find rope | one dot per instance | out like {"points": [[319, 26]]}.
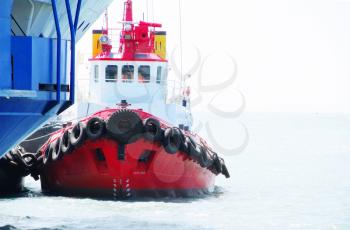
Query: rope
{"points": [[48, 126], [37, 138]]}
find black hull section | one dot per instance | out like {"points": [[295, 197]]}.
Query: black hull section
{"points": [[14, 166], [11, 181]]}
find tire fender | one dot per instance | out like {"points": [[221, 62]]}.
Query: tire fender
{"points": [[78, 134], [66, 146], [171, 140], [56, 150], [95, 128], [152, 130]]}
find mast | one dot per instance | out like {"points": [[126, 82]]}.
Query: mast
{"points": [[128, 11], [106, 21], [136, 38], [127, 47]]}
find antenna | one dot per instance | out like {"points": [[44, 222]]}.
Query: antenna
{"points": [[152, 2], [106, 20], [147, 9], [180, 27]]}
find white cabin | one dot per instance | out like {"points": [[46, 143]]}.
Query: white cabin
{"points": [[143, 84]]}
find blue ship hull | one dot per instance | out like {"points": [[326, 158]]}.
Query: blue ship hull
{"points": [[28, 86], [20, 117], [37, 71]]}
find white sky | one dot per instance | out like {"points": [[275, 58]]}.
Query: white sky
{"points": [[292, 55]]}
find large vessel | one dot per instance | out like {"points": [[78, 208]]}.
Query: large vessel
{"points": [[135, 137], [37, 43], [37, 64]]}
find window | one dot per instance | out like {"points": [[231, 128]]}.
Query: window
{"points": [[159, 74], [128, 73], [96, 73], [144, 73], [111, 73]]}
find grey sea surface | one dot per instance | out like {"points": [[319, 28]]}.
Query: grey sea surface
{"points": [[294, 174]]}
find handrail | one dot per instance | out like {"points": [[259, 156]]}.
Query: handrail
{"points": [[72, 34], [76, 19], [58, 32]]}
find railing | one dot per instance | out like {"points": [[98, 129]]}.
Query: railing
{"points": [[174, 90], [58, 32], [73, 29], [171, 88], [114, 36]]}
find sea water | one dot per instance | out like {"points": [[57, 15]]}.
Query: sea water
{"points": [[294, 174]]}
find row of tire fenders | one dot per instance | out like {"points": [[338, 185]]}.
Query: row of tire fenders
{"points": [[125, 126]]}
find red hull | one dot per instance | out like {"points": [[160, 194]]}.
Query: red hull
{"points": [[105, 167]]}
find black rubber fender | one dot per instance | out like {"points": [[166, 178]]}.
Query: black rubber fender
{"points": [[95, 128], [66, 146], [185, 145], [47, 154], [194, 149], [23, 160], [182, 135], [56, 150], [171, 140], [8, 157], [205, 160], [15, 155], [29, 159], [225, 171], [78, 134], [152, 130], [40, 155], [217, 163], [125, 126]]}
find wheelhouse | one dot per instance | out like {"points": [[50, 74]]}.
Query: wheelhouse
{"points": [[113, 81]]}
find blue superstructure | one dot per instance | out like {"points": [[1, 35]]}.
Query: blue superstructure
{"points": [[37, 71]]}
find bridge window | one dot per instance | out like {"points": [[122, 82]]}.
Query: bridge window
{"points": [[96, 73], [128, 73], [159, 74], [144, 73], [111, 73]]}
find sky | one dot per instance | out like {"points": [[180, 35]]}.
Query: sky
{"points": [[279, 55]]}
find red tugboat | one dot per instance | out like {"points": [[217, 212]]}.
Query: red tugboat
{"points": [[142, 149]]}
